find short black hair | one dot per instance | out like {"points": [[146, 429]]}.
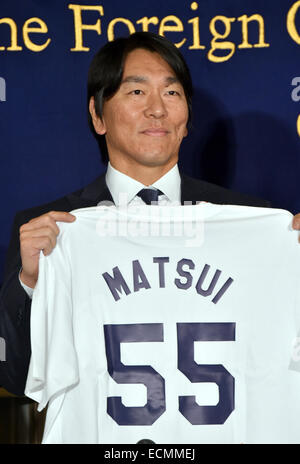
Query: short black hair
{"points": [[106, 72]]}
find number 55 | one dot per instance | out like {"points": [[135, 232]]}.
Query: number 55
{"points": [[187, 333]]}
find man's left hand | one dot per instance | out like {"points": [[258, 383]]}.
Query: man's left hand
{"points": [[296, 223]]}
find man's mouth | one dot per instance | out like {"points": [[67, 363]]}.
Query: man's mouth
{"points": [[155, 132]]}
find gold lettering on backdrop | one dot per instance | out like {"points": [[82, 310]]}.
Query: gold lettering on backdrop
{"points": [[290, 22], [217, 35], [196, 30], [14, 47], [261, 31], [80, 27], [220, 50], [146, 21], [298, 125], [42, 29], [177, 27], [111, 27]]}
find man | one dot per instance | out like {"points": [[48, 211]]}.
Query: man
{"points": [[139, 99]]}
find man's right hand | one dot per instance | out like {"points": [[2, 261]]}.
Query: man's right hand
{"points": [[39, 234]]}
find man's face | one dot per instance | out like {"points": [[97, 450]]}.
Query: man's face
{"points": [[145, 121]]}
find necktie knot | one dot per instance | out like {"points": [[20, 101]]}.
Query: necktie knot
{"points": [[149, 195]]}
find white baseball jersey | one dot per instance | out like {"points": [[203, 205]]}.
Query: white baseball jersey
{"points": [[177, 324]]}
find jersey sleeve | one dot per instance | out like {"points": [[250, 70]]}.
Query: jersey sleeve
{"points": [[295, 343], [295, 275], [53, 366]]}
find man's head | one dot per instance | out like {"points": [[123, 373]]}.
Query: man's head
{"points": [[135, 85]]}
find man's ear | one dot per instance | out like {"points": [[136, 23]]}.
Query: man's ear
{"points": [[98, 123]]}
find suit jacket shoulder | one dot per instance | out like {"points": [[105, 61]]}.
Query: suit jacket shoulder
{"points": [[196, 190]]}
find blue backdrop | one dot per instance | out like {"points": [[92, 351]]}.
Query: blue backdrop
{"points": [[244, 59]]}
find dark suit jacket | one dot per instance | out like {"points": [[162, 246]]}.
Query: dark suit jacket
{"points": [[14, 302]]}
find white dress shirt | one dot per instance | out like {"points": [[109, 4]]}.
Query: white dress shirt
{"points": [[124, 190]]}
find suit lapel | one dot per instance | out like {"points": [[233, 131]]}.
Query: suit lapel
{"points": [[94, 193], [192, 190]]}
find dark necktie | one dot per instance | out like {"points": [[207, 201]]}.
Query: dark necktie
{"points": [[148, 195]]}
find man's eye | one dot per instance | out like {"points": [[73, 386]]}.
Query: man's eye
{"points": [[173, 92], [136, 92]]}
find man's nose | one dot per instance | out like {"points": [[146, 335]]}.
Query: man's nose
{"points": [[156, 107]]}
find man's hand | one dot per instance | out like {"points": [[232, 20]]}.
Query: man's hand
{"points": [[39, 234], [296, 223]]}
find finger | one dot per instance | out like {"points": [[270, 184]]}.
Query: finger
{"points": [[40, 232], [48, 219], [54, 216], [296, 222], [30, 248], [62, 216], [42, 227]]}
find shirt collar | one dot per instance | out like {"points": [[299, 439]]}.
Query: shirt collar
{"points": [[124, 188]]}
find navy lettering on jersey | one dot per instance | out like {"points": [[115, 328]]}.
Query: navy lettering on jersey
{"points": [[139, 278], [205, 285], [212, 284], [161, 269], [222, 290], [122, 374], [187, 275], [116, 283], [187, 334]]}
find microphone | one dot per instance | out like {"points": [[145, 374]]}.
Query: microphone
{"points": [[145, 441]]}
